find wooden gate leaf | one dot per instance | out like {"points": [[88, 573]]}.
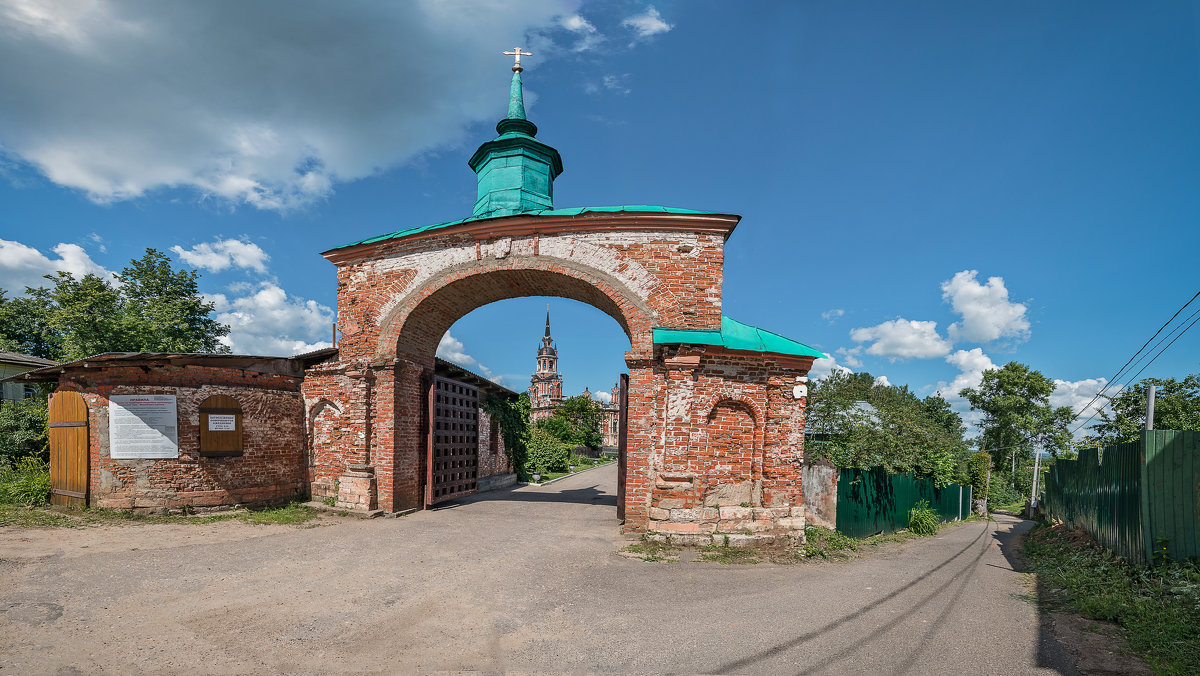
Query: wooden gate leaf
{"points": [[68, 449]]}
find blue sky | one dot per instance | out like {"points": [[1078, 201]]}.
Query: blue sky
{"points": [[927, 189]]}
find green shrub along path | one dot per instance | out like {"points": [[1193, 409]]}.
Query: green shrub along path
{"points": [[1157, 606]]}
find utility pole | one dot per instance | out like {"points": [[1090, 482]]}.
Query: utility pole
{"points": [[1013, 473], [1037, 465], [1149, 408]]}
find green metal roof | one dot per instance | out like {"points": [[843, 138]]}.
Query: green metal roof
{"points": [[540, 212], [737, 336]]}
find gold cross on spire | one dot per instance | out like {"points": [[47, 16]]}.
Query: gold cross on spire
{"points": [[517, 53]]}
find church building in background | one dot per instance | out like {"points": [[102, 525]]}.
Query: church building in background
{"points": [[546, 385]]}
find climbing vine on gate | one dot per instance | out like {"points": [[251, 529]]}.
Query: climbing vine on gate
{"points": [[512, 415]]}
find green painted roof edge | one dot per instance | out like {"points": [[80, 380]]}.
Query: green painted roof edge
{"points": [[575, 211], [735, 335]]}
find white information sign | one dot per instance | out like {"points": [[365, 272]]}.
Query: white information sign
{"points": [[142, 426], [219, 422]]}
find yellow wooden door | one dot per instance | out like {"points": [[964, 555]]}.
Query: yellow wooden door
{"points": [[68, 449]]}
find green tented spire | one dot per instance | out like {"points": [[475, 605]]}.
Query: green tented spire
{"points": [[516, 99], [516, 171]]}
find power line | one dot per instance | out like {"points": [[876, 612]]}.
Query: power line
{"points": [[1117, 375]]}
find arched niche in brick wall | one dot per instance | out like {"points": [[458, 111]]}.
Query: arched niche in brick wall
{"points": [[732, 456]]}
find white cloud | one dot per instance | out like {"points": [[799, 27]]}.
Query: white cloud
{"points": [[833, 315], [971, 364], [616, 83], [452, 349], [221, 254], [902, 339], [1078, 395], [248, 103], [987, 314], [99, 242], [22, 265], [576, 24], [269, 322], [850, 356], [647, 24], [587, 37], [882, 380], [603, 396], [823, 366]]}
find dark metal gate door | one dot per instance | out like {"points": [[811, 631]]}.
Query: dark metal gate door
{"points": [[452, 463]]}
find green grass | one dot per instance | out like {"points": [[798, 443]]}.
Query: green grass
{"points": [[1158, 607], [58, 517], [24, 517], [653, 551], [727, 554], [25, 482], [922, 520], [826, 543], [292, 514]]}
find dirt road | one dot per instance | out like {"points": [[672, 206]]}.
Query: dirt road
{"points": [[524, 580]]}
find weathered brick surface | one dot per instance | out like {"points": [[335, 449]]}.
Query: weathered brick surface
{"points": [[272, 466], [707, 427]]}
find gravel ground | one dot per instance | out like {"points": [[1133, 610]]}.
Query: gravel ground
{"points": [[525, 579]]}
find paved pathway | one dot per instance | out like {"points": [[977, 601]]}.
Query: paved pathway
{"points": [[522, 579]]}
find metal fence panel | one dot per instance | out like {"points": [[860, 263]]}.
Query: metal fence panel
{"points": [[1129, 496], [871, 501]]}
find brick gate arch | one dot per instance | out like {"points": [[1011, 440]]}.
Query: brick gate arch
{"points": [[657, 271]]}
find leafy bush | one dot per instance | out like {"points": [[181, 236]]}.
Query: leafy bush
{"points": [[547, 453], [824, 542], [922, 519], [25, 482], [1157, 605], [1001, 494], [23, 430], [513, 418], [977, 469]]}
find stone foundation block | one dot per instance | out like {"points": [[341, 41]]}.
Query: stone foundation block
{"points": [[772, 513], [695, 514], [357, 489], [659, 514], [791, 523], [739, 526], [799, 511], [672, 503], [742, 541], [738, 513], [673, 527]]}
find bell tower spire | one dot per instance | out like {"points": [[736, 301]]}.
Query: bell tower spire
{"points": [[516, 171]]}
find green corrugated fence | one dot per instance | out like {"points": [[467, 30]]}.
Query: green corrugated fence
{"points": [[1132, 496], [871, 501]]}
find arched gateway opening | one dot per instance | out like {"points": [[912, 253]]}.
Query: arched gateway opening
{"points": [[715, 408]]}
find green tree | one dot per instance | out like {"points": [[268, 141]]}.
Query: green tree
{"points": [[1176, 407], [87, 313], [576, 421], [25, 324], [1015, 402], [546, 452], [149, 308], [163, 308], [23, 430], [867, 424]]}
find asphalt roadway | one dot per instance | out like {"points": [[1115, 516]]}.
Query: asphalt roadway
{"points": [[523, 580]]}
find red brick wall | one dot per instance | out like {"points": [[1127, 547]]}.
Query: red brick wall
{"points": [[272, 466], [707, 426], [492, 458]]}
